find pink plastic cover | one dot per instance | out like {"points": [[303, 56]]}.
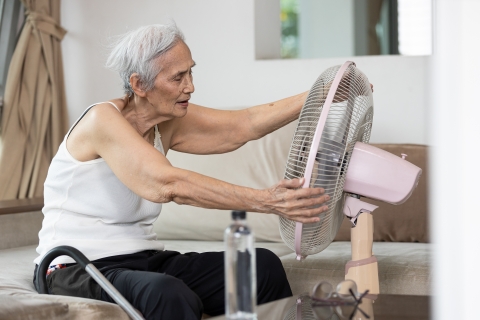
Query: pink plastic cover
{"points": [[380, 175]]}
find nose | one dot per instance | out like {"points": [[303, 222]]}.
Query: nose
{"points": [[189, 87]]}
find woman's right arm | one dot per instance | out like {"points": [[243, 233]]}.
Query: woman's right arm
{"points": [[149, 174]]}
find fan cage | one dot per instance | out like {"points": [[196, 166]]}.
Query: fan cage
{"points": [[349, 120], [304, 307]]}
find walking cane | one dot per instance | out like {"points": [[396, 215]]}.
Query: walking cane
{"points": [[41, 281]]}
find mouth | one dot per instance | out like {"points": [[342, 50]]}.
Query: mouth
{"points": [[183, 103]]}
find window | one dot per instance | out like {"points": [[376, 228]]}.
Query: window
{"points": [[289, 21], [415, 27], [347, 28]]}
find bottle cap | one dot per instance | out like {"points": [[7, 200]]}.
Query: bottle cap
{"points": [[239, 215]]}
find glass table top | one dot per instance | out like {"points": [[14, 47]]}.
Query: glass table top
{"points": [[383, 307]]}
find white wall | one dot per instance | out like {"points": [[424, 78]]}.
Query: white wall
{"points": [[221, 37], [454, 133]]}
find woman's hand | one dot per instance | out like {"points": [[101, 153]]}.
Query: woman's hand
{"points": [[289, 200]]}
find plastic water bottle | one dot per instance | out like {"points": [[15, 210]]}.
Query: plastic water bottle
{"points": [[240, 269]]}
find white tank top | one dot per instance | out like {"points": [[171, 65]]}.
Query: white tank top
{"points": [[89, 208]]}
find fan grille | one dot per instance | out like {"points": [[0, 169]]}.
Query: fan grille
{"points": [[304, 307], [349, 120]]}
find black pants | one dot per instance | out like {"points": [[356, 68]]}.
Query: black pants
{"points": [[170, 285]]}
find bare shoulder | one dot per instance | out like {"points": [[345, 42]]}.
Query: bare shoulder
{"points": [[102, 112], [101, 121]]}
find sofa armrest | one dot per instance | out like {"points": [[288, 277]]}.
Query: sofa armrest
{"points": [[20, 205], [20, 222]]}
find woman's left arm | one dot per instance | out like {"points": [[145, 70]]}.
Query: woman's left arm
{"points": [[208, 131], [269, 117]]}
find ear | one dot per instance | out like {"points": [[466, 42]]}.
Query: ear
{"points": [[136, 85]]}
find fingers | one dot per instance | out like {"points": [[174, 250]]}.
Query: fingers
{"points": [[298, 183], [305, 215], [291, 201], [290, 190], [308, 203], [304, 193], [305, 207], [291, 184]]}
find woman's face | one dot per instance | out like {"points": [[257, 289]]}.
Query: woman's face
{"points": [[174, 83]]}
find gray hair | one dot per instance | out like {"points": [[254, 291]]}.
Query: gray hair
{"points": [[137, 50]]}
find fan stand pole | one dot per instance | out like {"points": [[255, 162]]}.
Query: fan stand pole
{"points": [[363, 268]]}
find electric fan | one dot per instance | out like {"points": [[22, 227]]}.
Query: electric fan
{"points": [[329, 149]]}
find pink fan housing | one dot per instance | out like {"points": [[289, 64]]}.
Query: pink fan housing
{"points": [[380, 175]]}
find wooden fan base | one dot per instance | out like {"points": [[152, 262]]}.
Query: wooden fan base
{"points": [[367, 307], [363, 268]]}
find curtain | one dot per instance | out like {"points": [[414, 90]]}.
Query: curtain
{"points": [[35, 117]]}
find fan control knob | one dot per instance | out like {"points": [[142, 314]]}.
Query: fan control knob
{"points": [[404, 156]]}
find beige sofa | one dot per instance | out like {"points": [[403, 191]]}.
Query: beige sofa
{"points": [[401, 235]]}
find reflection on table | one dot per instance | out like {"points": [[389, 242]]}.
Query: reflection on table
{"points": [[384, 307]]}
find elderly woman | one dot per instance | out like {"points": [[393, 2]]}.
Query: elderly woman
{"points": [[106, 185]]}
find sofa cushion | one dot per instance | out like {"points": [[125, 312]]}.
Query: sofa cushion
{"points": [[404, 268], [407, 222], [13, 308]]}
